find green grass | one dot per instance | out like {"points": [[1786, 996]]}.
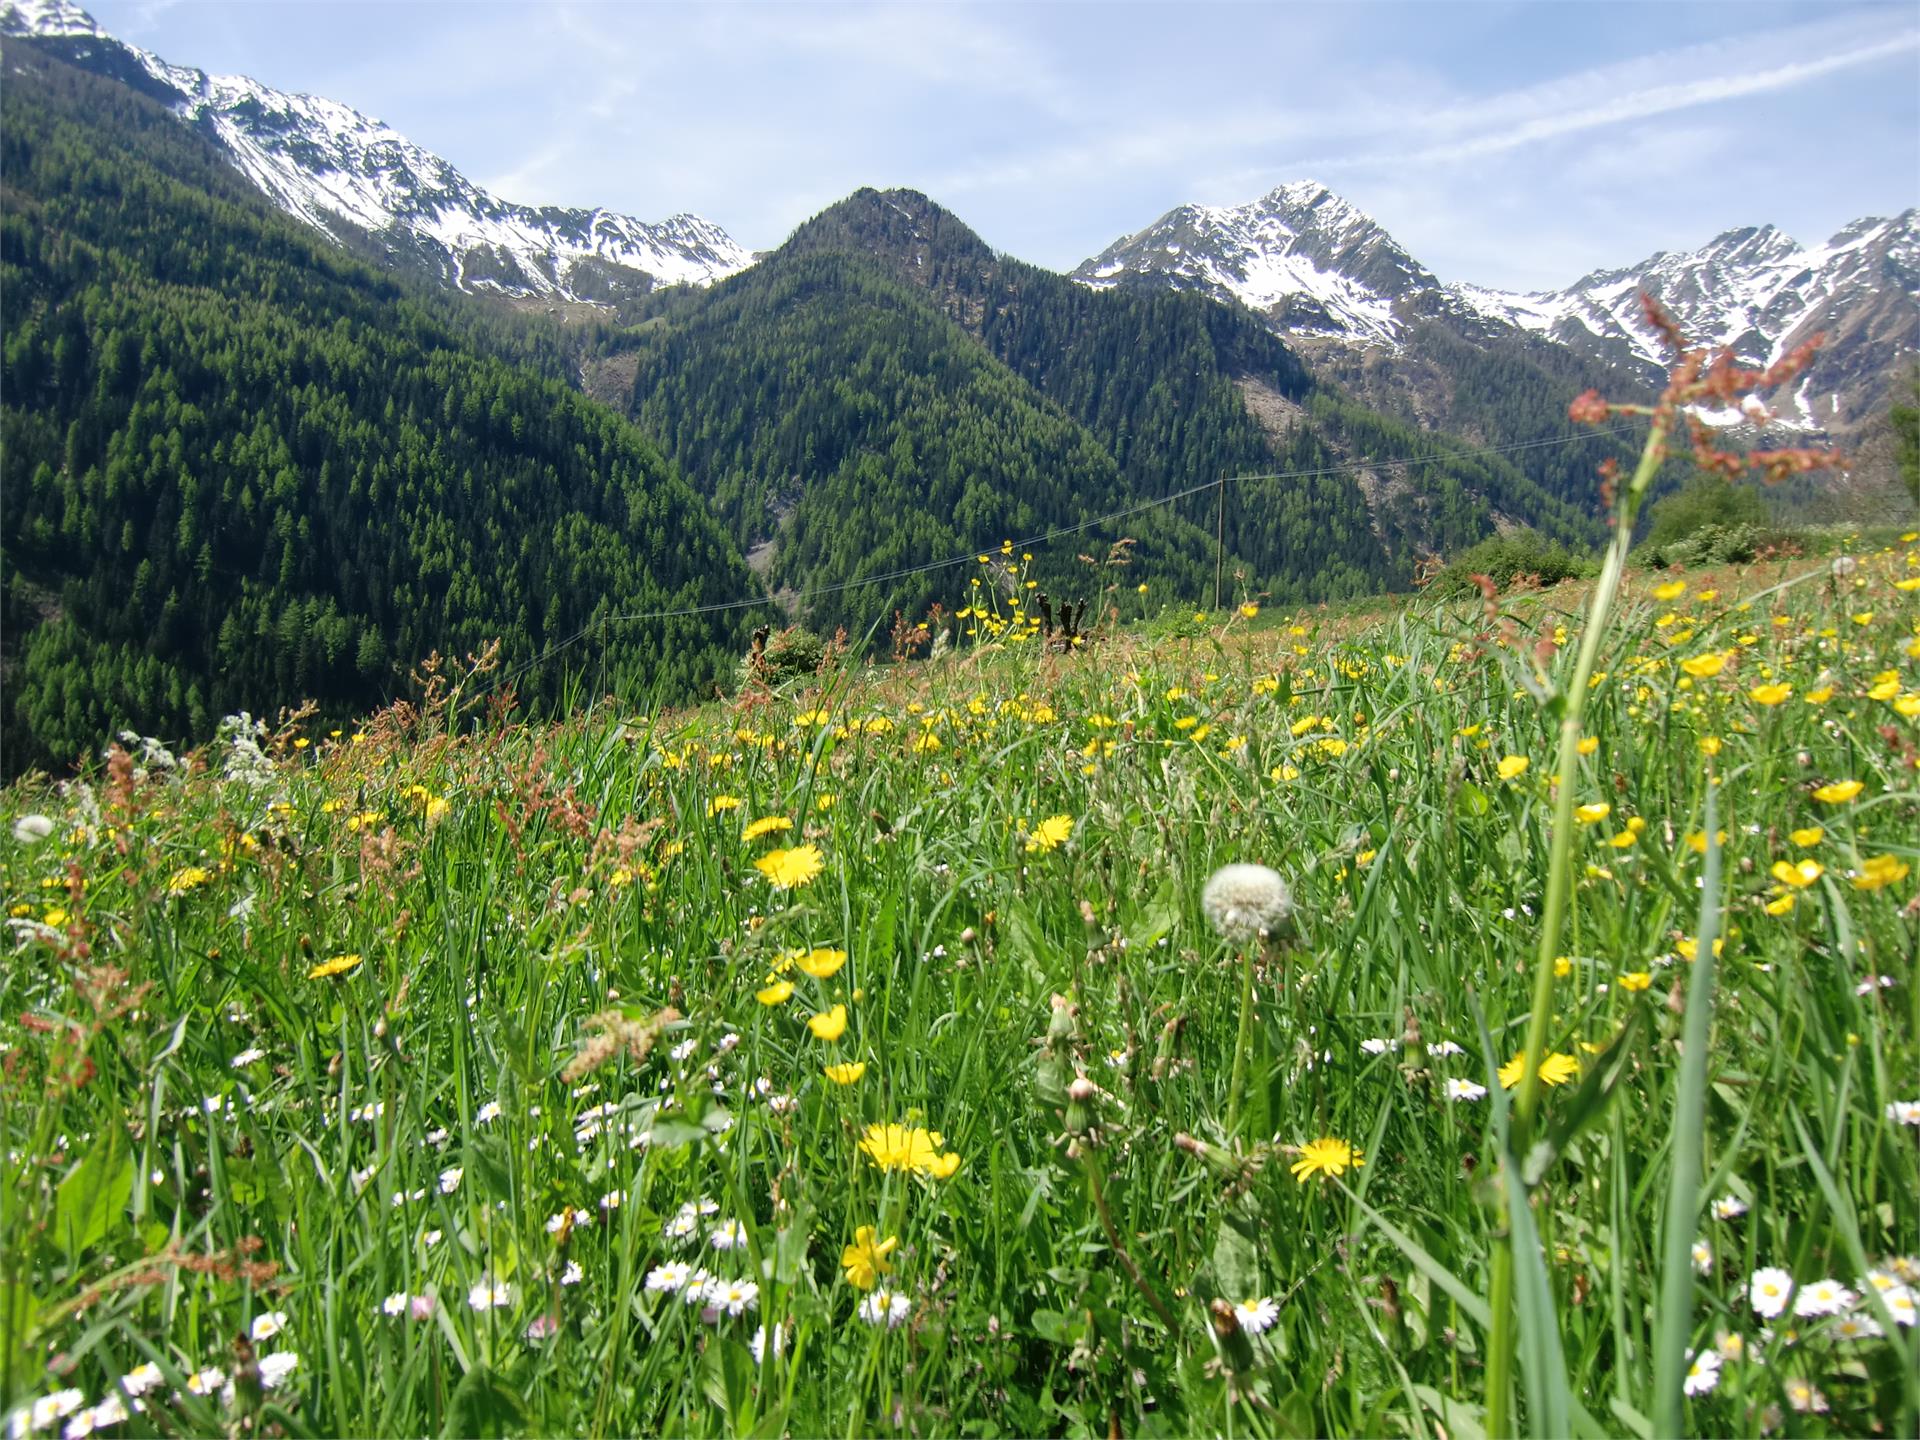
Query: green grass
{"points": [[502, 886]]}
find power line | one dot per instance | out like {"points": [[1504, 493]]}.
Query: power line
{"points": [[1125, 512]]}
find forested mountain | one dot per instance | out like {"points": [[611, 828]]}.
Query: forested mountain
{"points": [[884, 390], [238, 468]]}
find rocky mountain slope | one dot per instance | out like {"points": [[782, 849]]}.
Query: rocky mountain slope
{"points": [[363, 184]]}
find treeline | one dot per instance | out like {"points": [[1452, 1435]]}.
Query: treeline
{"points": [[239, 469]]}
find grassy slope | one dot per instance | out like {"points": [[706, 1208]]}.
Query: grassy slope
{"points": [[499, 890]]}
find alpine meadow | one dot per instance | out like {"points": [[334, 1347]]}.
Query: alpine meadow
{"points": [[606, 833]]}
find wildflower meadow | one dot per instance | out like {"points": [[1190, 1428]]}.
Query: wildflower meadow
{"points": [[1151, 1037]]}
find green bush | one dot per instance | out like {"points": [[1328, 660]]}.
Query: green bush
{"points": [[789, 655], [1704, 502], [1503, 559]]}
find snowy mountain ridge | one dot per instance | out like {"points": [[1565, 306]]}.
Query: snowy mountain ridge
{"points": [[1318, 268], [351, 176]]}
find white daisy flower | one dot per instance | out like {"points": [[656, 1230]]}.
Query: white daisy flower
{"points": [[670, 1278], [573, 1274], [275, 1368], [266, 1326], [450, 1179], [142, 1378], [1729, 1207], [695, 1292], [1444, 1049], [1768, 1290], [728, 1235], [1904, 1112], [1702, 1258], [1900, 1301], [1376, 1046], [1465, 1090], [1823, 1297], [1256, 1316], [736, 1297], [487, 1113], [207, 1381], [1703, 1373], [396, 1303], [758, 1345], [886, 1307], [247, 1057], [1855, 1327], [488, 1296]]}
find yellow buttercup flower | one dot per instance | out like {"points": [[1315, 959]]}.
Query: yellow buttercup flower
{"points": [[777, 993], [821, 964], [1672, 590], [1636, 981], [1810, 836], [1513, 767], [338, 965], [1770, 694], [1798, 874], [1705, 667], [1839, 792], [1880, 871], [846, 1072], [1590, 813], [1819, 695], [1326, 1156], [1588, 745], [1781, 906], [865, 1261], [829, 1025]]}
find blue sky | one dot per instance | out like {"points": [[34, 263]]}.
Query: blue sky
{"points": [[1509, 144]]}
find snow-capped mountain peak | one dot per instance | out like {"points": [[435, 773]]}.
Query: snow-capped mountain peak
{"points": [[363, 183], [47, 19], [1306, 259]]}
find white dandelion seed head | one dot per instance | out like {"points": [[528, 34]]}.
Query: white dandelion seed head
{"points": [[31, 830], [1247, 902]]}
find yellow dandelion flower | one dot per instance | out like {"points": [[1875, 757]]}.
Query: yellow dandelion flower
{"points": [[829, 1025], [338, 965], [1326, 1156], [720, 804], [192, 877], [766, 825], [777, 993], [1555, 1069], [1249, 610], [896, 1147], [790, 869], [1839, 792], [1050, 834], [819, 963], [1672, 590], [865, 1260], [846, 1072]]}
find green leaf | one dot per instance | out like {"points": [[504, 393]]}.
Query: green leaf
{"points": [[94, 1195], [1543, 1366], [1236, 1262], [482, 1404]]}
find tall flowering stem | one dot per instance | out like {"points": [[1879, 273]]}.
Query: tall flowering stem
{"points": [[1695, 379]]}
